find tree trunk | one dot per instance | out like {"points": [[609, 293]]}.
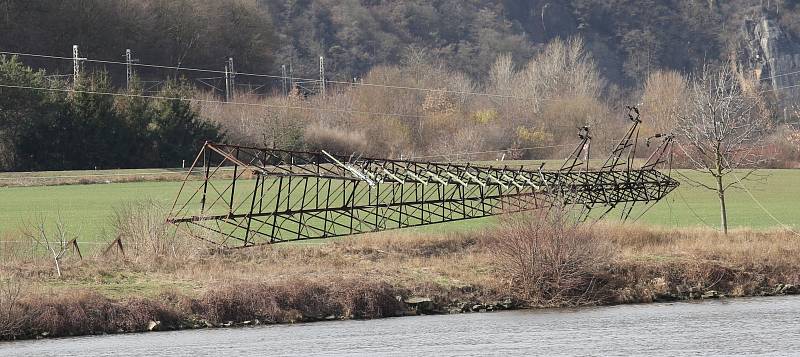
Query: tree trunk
{"points": [[723, 212], [58, 267]]}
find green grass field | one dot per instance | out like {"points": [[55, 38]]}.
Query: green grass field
{"points": [[87, 209]]}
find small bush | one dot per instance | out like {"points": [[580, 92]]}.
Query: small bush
{"points": [[548, 259]]}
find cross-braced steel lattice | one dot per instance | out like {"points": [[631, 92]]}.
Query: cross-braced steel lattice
{"points": [[250, 196]]}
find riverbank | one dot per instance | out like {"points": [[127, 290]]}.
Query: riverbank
{"points": [[381, 275], [731, 327]]}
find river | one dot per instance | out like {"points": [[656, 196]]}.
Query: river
{"points": [[764, 326]]}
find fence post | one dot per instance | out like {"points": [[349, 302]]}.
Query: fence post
{"points": [[118, 243]]}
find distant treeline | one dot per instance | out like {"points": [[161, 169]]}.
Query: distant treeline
{"points": [[59, 130]]}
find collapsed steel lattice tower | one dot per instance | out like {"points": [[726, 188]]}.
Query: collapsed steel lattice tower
{"points": [[249, 196]]}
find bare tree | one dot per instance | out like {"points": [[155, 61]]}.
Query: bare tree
{"points": [[664, 98], [721, 130], [57, 243]]}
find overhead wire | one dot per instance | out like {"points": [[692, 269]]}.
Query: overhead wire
{"points": [[154, 173], [179, 68], [314, 80], [273, 76], [761, 206], [749, 193], [487, 152], [780, 75], [699, 218], [200, 100]]}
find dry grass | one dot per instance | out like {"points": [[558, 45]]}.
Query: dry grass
{"points": [[656, 264], [140, 225], [740, 246]]}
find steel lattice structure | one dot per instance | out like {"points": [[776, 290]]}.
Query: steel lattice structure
{"points": [[250, 196]]}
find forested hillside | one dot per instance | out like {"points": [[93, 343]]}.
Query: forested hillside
{"points": [[628, 37], [418, 78]]}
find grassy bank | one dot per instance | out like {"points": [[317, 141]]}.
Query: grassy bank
{"points": [[389, 274]]}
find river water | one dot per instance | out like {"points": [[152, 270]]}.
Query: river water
{"points": [[763, 326]]}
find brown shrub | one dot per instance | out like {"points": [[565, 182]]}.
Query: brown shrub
{"points": [[364, 300], [13, 314], [244, 301], [299, 300], [87, 312], [783, 148], [549, 260], [77, 314], [137, 312], [342, 141]]}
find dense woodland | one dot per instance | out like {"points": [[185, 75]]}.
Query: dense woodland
{"points": [[627, 37], [552, 66]]}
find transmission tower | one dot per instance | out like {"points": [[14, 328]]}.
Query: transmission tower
{"points": [[250, 196], [77, 61], [292, 84], [129, 60], [284, 80], [322, 75], [230, 80]]}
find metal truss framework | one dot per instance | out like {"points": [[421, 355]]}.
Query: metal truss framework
{"points": [[277, 196]]}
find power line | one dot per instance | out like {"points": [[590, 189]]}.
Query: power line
{"points": [[177, 68], [133, 174], [146, 96], [489, 152], [313, 80], [781, 88], [156, 66], [693, 211], [780, 75], [753, 197]]}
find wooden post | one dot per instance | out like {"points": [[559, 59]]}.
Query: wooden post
{"points": [[118, 243]]}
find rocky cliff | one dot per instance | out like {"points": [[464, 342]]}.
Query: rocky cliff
{"points": [[774, 56]]}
